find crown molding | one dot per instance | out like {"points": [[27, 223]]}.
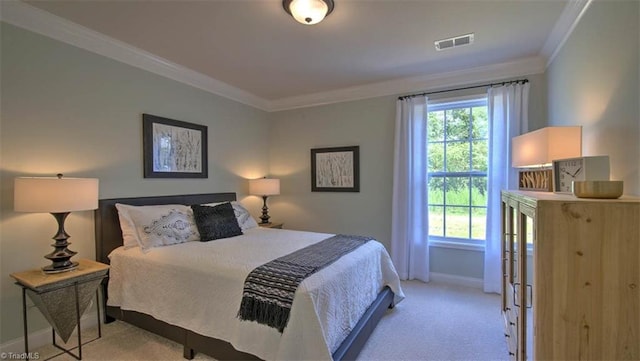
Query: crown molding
{"points": [[425, 83], [39, 21], [22, 15], [568, 20]]}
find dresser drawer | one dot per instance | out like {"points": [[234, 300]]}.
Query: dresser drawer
{"points": [[510, 319], [511, 333], [511, 310]]}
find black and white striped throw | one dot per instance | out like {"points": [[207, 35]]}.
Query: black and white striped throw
{"points": [[269, 289]]}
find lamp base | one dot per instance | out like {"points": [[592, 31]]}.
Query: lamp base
{"points": [[265, 212], [60, 257], [50, 269], [535, 180]]}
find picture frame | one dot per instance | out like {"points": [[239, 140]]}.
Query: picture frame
{"points": [[173, 148], [335, 169]]}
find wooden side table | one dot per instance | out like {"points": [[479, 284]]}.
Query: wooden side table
{"points": [[62, 298], [271, 225]]}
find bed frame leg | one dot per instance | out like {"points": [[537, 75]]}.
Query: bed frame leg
{"points": [[188, 353]]}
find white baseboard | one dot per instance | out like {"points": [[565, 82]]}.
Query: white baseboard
{"points": [[456, 280], [42, 337]]}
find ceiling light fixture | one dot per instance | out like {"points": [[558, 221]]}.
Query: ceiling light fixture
{"points": [[308, 12]]}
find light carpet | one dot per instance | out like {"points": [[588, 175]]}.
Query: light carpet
{"points": [[434, 322]]}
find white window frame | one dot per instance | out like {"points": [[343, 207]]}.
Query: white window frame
{"points": [[454, 242]]}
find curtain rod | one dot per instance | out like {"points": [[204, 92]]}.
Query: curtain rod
{"points": [[523, 81]]}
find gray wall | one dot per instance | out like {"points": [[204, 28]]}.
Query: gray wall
{"points": [[593, 82], [368, 123], [70, 111]]}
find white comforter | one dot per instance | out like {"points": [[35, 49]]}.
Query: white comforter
{"points": [[198, 286]]}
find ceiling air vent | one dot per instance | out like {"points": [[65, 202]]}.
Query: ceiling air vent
{"points": [[454, 42]]}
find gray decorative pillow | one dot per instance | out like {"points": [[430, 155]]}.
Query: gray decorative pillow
{"points": [[216, 222], [174, 225], [154, 226]]}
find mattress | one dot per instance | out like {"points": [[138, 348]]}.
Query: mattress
{"points": [[198, 286]]}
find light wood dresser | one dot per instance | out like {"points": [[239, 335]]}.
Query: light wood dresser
{"points": [[571, 285]]}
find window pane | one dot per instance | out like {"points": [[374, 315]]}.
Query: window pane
{"points": [[435, 126], [457, 222], [478, 223], [457, 151], [457, 191], [480, 123], [479, 191], [479, 155], [436, 190], [457, 124], [458, 156], [436, 221], [435, 155]]}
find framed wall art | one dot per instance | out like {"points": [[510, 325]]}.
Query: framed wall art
{"points": [[173, 148], [335, 169]]}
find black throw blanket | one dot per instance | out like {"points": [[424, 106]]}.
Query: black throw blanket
{"points": [[269, 289]]}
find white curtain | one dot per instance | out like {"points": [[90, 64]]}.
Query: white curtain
{"points": [[507, 107], [409, 224]]}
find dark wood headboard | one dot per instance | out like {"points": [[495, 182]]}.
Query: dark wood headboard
{"points": [[108, 232]]}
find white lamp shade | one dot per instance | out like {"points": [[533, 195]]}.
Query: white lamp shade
{"points": [[55, 195], [264, 186], [308, 12], [540, 147]]}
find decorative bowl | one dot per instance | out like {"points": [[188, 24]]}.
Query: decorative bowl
{"points": [[598, 189]]}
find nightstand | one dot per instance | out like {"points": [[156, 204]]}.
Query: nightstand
{"points": [[271, 225], [62, 298]]}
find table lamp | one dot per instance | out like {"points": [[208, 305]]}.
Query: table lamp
{"points": [[534, 152], [264, 187], [58, 196]]}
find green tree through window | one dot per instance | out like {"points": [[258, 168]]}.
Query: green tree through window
{"points": [[457, 147]]}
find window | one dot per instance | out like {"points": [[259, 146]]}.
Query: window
{"points": [[457, 146]]}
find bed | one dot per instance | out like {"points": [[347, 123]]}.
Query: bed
{"points": [[318, 327]]}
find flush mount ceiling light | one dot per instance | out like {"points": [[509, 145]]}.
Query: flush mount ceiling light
{"points": [[308, 12]]}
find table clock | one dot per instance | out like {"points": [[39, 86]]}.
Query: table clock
{"points": [[566, 171]]}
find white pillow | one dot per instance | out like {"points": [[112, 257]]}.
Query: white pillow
{"points": [[245, 221], [129, 235], [154, 226]]}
